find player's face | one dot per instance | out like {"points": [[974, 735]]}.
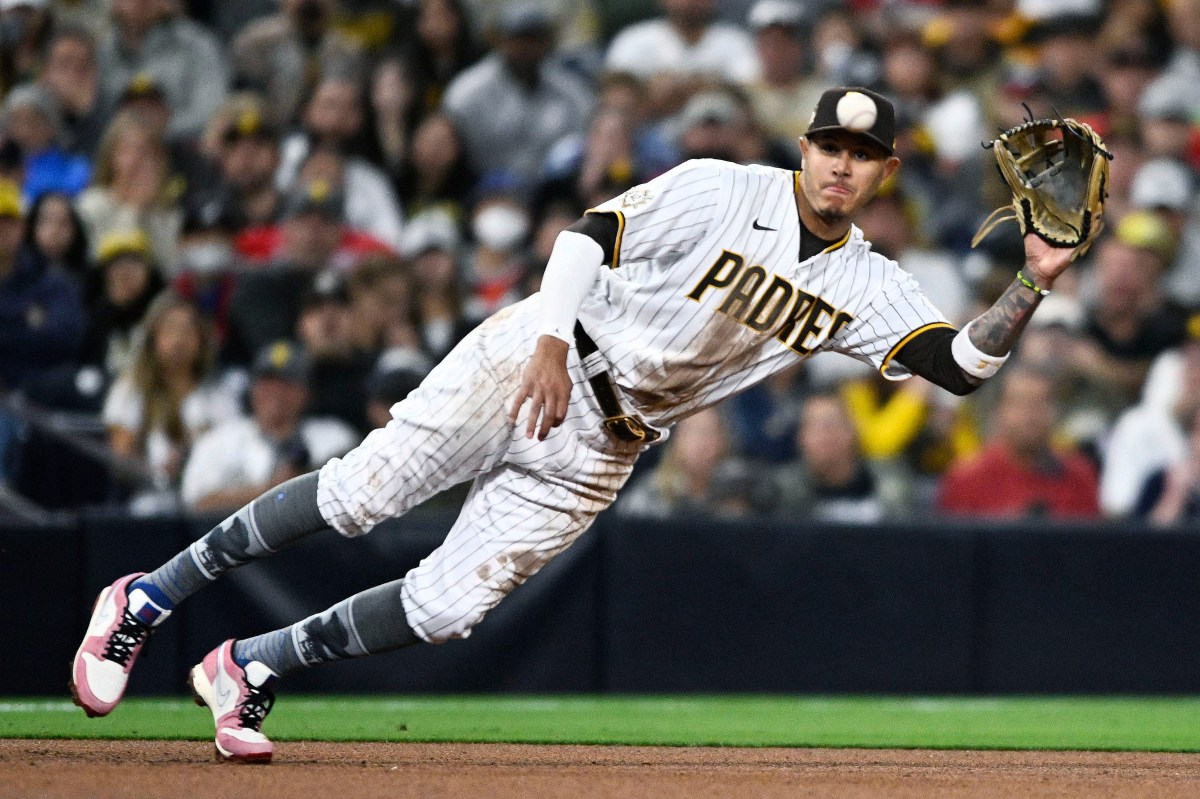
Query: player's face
{"points": [[842, 172]]}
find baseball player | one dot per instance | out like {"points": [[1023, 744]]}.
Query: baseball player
{"points": [[656, 304]]}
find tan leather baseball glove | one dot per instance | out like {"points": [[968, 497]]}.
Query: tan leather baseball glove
{"points": [[1057, 170]]}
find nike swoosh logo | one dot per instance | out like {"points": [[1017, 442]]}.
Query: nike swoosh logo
{"points": [[223, 690], [757, 226]]}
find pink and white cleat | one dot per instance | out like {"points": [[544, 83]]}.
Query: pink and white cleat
{"points": [[239, 698], [121, 622]]}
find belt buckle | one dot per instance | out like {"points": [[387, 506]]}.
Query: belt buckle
{"points": [[630, 429]]}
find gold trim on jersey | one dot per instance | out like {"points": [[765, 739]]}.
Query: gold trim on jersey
{"points": [[837, 245], [894, 351], [617, 242], [620, 232]]}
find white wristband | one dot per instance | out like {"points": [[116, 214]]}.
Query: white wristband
{"points": [[574, 263], [973, 360]]}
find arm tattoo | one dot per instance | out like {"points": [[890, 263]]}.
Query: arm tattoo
{"points": [[996, 330]]}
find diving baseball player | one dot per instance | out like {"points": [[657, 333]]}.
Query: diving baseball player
{"points": [[656, 304]]}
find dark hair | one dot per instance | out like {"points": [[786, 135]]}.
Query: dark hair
{"points": [[76, 257], [70, 31]]}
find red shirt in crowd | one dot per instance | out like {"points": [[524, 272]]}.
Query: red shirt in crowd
{"points": [[994, 484], [261, 245]]}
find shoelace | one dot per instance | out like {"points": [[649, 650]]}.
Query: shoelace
{"points": [[130, 633], [256, 706]]}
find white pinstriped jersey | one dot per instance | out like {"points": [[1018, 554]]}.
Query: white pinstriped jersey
{"points": [[707, 295]]}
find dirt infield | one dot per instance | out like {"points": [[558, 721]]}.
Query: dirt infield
{"points": [[181, 770]]}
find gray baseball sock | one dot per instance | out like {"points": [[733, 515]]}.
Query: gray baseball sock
{"points": [[281, 516], [365, 624]]}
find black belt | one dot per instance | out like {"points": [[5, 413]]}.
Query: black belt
{"points": [[623, 426]]}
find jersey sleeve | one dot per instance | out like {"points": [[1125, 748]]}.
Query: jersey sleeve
{"points": [[897, 313], [666, 217]]}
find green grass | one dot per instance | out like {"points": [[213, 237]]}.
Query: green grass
{"points": [[1119, 723]]}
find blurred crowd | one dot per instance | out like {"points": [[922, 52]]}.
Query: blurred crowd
{"points": [[233, 234]]}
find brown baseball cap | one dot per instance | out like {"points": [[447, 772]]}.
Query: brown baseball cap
{"points": [[856, 110]]}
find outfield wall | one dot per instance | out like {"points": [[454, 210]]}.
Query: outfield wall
{"points": [[673, 606]]}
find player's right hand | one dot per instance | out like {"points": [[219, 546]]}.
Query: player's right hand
{"points": [[547, 386]]}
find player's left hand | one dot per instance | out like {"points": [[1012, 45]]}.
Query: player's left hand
{"points": [[547, 386], [1043, 263]]}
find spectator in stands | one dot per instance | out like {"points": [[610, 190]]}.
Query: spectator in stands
{"points": [[752, 144], [393, 109], [832, 481], [325, 331], [431, 246], [584, 171], [162, 402], [131, 188], [334, 124], [763, 419], [383, 305], [408, 86], [282, 56], [189, 168], [1126, 72], [840, 53], [242, 457], [708, 127], [497, 266], [30, 118], [436, 173], [26, 25], [333, 116], [443, 47], [55, 232], [1020, 471], [398, 372], [1165, 187], [41, 312], [782, 91], [71, 77], [515, 103], [208, 262], [697, 476], [1151, 437], [184, 58], [1129, 321], [1183, 67], [331, 242], [371, 206], [1172, 496], [963, 39], [266, 299], [247, 157], [130, 282], [686, 41], [1165, 110]]}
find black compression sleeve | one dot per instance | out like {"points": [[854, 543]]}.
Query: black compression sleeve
{"points": [[928, 354], [600, 227]]}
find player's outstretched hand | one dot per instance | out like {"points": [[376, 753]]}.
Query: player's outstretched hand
{"points": [[546, 384], [1043, 263]]}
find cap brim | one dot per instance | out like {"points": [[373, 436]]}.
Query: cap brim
{"points": [[887, 148]]}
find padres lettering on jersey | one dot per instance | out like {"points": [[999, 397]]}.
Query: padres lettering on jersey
{"points": [[807, 317], [707, 295]]}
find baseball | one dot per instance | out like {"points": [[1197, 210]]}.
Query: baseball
{"points": [[856, 111]]}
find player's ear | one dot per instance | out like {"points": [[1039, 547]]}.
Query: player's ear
{"points": [[803, 142], [890, 166]]}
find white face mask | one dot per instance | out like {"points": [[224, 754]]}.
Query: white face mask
{"points": [[500, 227], [207, 259]]}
